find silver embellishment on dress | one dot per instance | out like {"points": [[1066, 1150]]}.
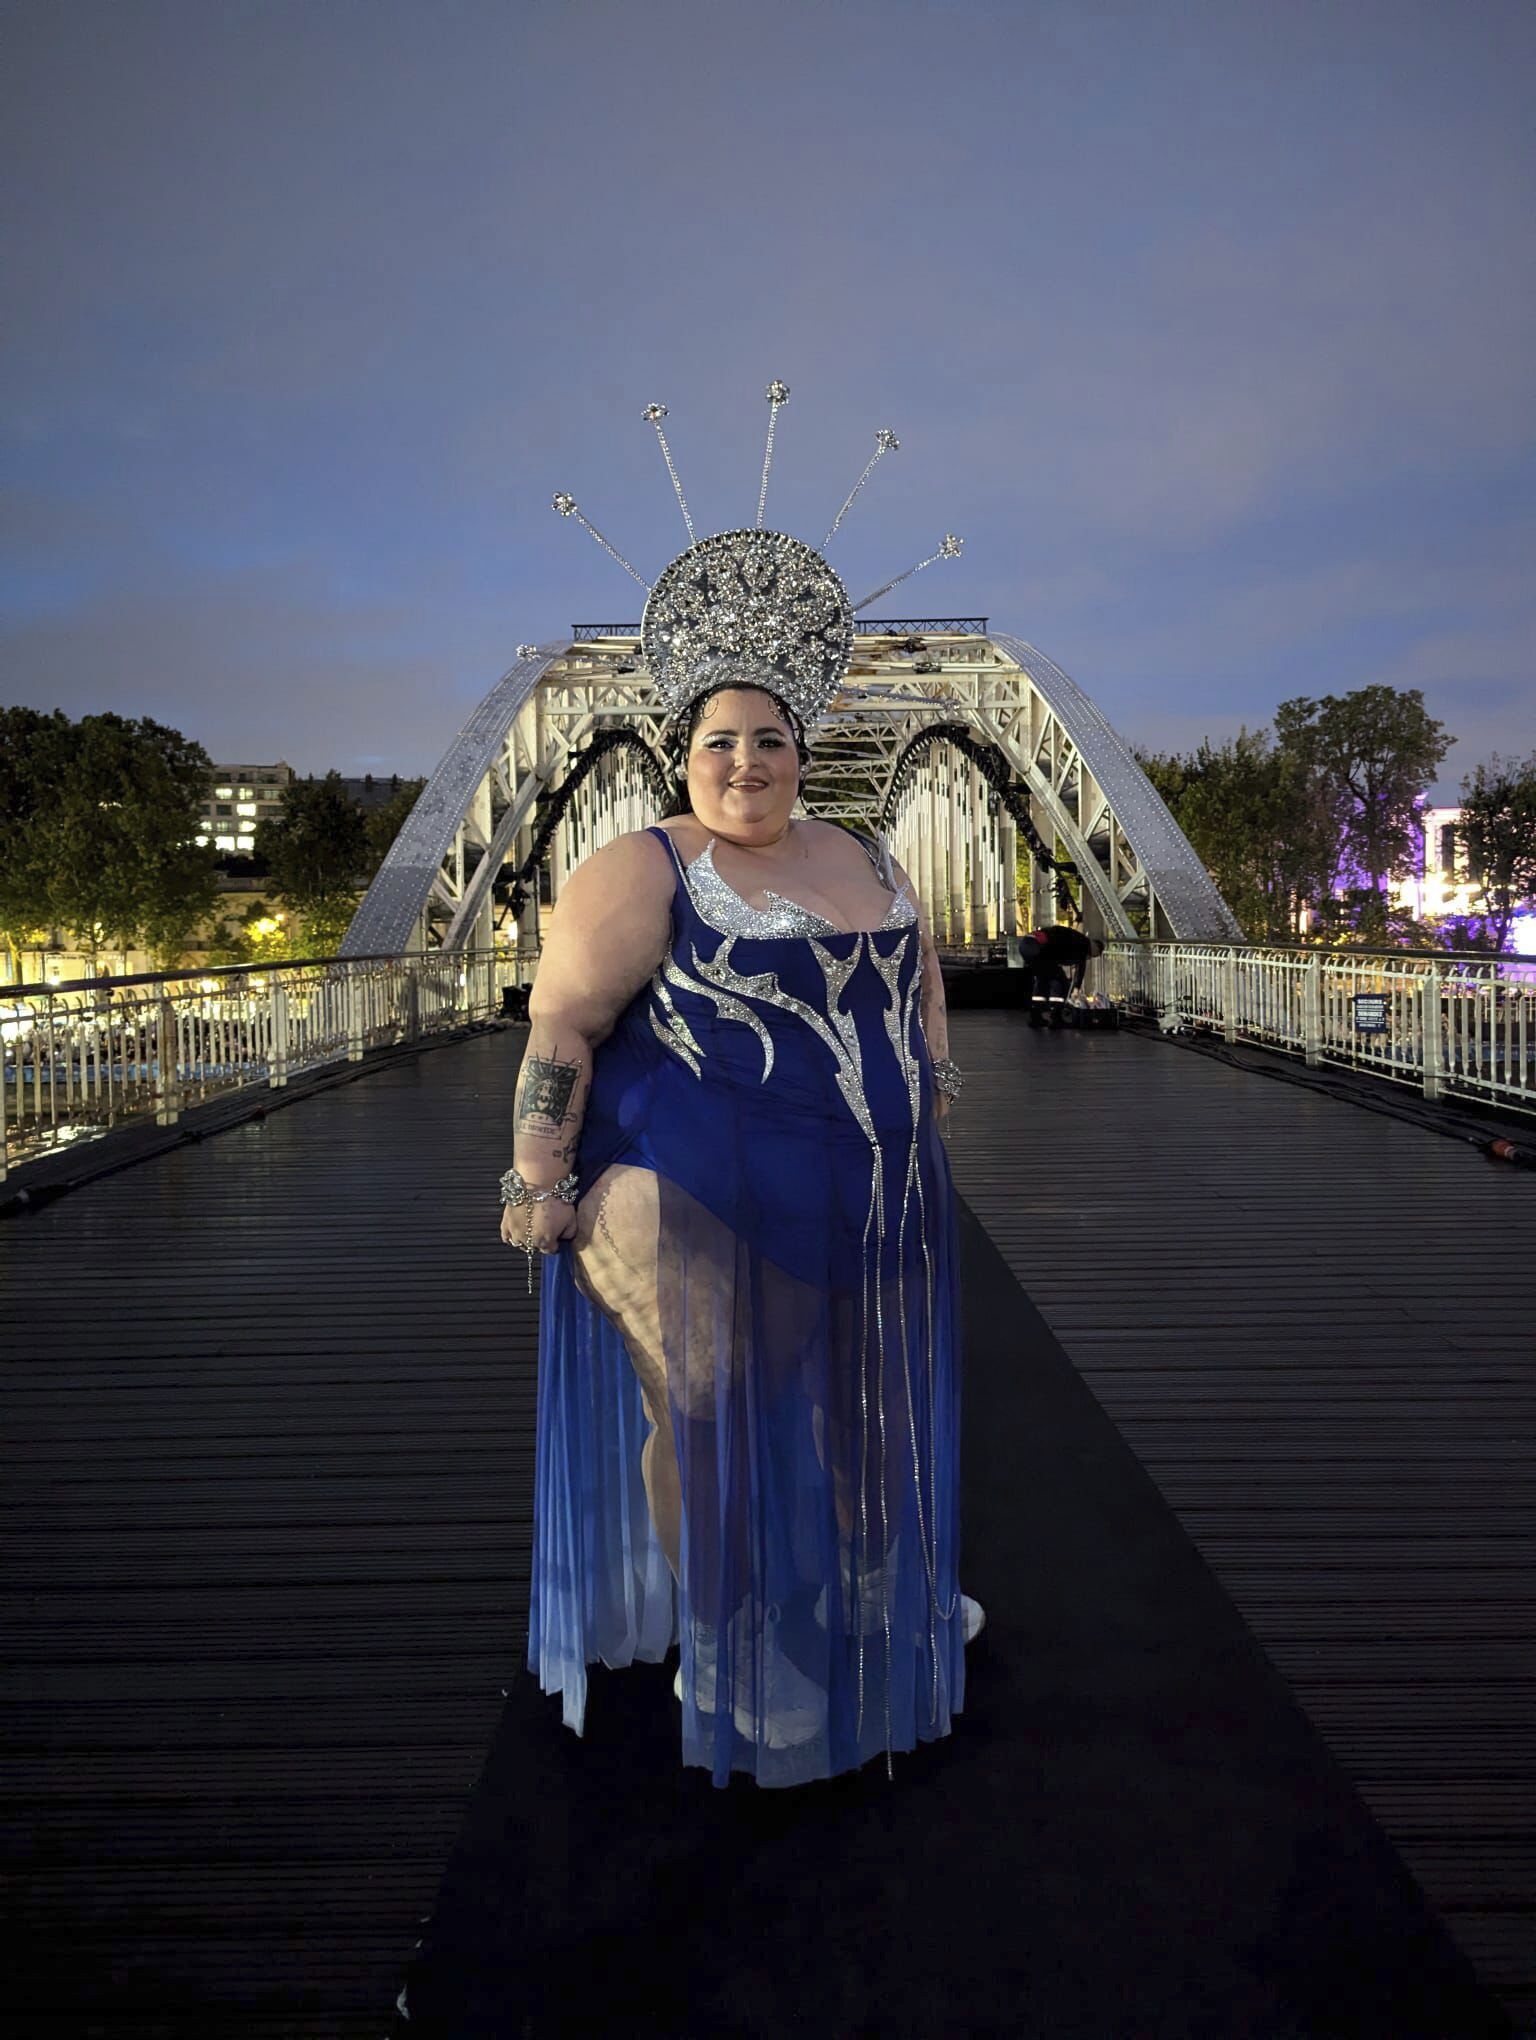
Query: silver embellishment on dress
{"points": [[839, 1036], [900, 1023], [667, 1037], [729, 914], [728, 1007], [675, 1019]]}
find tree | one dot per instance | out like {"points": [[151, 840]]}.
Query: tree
{"points": [[1368, 758], [258, 935], [385, 823], [316, 848], [1498, 826], [34, 751], [1252, 819], [109, 812], [126, 863]]}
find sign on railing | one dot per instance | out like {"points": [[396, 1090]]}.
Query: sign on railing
{"points": [[81, 1059]]}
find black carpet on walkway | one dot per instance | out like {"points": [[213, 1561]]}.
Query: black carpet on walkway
{"points": [[1133, 1833]]}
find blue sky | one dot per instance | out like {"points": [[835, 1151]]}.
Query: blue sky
{"points": [[1211, 327]]}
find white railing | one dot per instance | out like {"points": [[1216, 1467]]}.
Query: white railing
{"points": [[1453, 1025], [83, 1058]]}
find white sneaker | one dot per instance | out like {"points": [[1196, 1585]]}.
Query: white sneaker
{"points": [[795, 1711]]}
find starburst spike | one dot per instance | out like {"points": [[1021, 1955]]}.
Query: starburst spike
{"points": [[653, 415], [949, 549], [566, 505], [885, 442], [777, 394]]}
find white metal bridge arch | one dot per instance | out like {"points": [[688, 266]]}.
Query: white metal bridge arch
{"points": [[561, 756]]}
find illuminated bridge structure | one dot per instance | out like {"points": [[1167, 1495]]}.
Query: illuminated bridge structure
{"points": [[965, 743]]}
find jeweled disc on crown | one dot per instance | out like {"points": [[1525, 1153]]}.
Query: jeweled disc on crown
{"points": [[759, 596]]}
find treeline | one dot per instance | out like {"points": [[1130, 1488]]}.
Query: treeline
{"points": [[1310, 820], [1316, 817], [100, 820], [99, 846]]}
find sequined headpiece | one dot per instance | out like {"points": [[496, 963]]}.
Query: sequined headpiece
{"points": [[756, 600]]}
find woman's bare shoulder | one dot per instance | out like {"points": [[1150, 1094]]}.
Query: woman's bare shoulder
{"points": [[837, 842], [688, 833], [632, 862]]}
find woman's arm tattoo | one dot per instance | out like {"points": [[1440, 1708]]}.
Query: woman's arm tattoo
{"points": [[544, 1096]]}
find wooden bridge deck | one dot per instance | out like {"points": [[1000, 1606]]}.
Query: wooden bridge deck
{"points": [[268, 1447], [1316, 1327]]}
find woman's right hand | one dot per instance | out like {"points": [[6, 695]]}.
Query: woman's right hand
{"points": [[553, 1221]]}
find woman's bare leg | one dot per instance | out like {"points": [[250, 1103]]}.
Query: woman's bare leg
{"points": [[616, 1250]]}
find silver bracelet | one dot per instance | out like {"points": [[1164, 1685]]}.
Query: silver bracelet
{"points": [[947, 1077], [515, 1191]]}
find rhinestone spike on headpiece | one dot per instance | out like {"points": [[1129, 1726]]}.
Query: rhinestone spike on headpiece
{"points": [[758, 604]]}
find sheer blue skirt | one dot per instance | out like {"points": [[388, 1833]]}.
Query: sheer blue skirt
{"points": [[811, 1633]]}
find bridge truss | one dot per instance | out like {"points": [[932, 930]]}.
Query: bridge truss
{"points": [[964, 743]]}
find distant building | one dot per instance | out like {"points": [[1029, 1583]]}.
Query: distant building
{"points": [[1442, 881], [370, 792], [238, 797]]}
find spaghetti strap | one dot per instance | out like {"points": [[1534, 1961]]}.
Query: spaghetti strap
{"points": [[677, 862], [877, 848]]}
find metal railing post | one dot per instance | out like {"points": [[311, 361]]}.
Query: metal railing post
{"points": [[412, 1000], [1164, 979], [1431, 1025], [1229, 995], [1312, 1009], [168, 1072], [352, 995], [278, 1076]]}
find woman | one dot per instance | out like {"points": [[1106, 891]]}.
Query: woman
{"points": [[727, 1151]]}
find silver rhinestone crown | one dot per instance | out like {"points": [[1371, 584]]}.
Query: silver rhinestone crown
{"points": [[753, 604], [757, 599]]}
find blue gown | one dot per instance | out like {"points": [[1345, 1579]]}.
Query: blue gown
{"points": [[774, 1077]]}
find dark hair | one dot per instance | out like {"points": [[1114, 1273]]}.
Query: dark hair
{"points": [[678, 741]]}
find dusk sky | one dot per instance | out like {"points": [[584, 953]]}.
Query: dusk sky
{"points": [[1211, 327]]}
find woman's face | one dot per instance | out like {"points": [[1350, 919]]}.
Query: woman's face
{"points": [[743, 767]]}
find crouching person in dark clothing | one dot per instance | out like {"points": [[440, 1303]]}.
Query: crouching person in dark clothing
{"points": [[1057, 957]]}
